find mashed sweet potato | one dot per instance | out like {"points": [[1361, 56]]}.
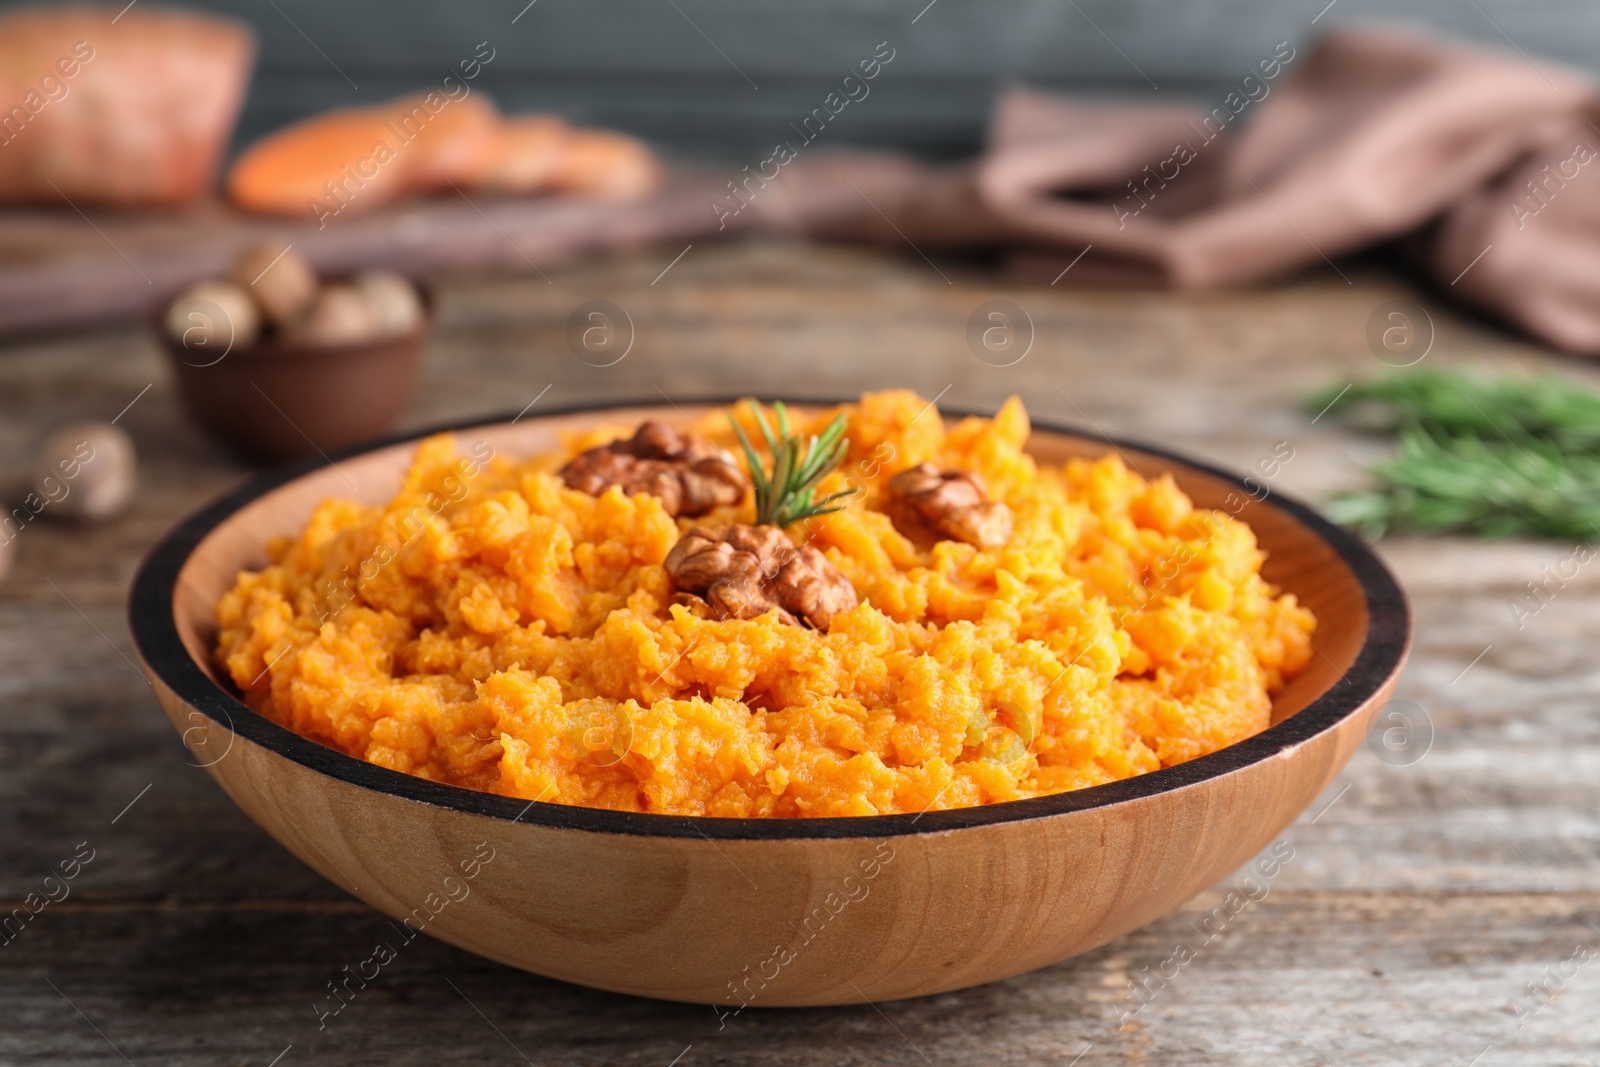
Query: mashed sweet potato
{"points": [[494, 629]]}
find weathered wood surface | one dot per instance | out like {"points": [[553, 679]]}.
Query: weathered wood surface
{"points": [[1420, 900]]}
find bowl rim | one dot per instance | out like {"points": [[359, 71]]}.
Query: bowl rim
{"points": [[156, 638]]}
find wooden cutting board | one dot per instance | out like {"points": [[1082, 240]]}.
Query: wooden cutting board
{"points": [[69, 267]]}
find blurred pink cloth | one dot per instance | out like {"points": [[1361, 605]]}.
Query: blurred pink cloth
{"points": [[1486, 162]]}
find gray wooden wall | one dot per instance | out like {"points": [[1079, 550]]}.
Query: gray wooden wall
{"points": [[725, 76]]}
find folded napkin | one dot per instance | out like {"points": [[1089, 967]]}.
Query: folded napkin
{"points": [[1485, 163]]}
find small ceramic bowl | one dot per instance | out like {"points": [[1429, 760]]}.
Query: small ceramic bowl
{"points": [[768, 911], [281, 400]]}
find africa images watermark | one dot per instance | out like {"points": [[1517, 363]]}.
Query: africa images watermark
{"points": [[1535, 597], [57, 886], [55, 490], [1537, 195], [1256, 490], [341, 591], [852, 890], [852, 89], [353, 177], [1555, 978], [1252, 90], [600, 733], [53, 88], [1143, 989], [345, 986]]}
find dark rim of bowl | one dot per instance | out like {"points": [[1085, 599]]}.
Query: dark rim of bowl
{"points": [[155, 635]]}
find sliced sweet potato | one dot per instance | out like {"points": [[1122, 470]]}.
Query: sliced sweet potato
{"points": [[454, 140], [306, 164], [529, 154], [608, 166], [360, 158]]}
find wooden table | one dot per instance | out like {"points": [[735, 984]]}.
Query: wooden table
{"points": [[1423, 894]]}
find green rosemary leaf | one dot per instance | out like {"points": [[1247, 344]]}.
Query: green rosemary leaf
{"points": [[783, 495], [782, 475], [823, 453], [830, 498], [766, 428], [758, 474]]}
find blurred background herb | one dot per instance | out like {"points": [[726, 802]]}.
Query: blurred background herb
{"points": [[1500, 457]]}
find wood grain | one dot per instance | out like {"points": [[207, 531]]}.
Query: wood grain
{"points": [[193, 939]]}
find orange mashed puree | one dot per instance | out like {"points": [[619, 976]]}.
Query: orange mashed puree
{"points": [[493, 629]]}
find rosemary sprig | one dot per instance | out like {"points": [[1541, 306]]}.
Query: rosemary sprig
{"points": [[1540, 406], [783, 495], [1501, 457], [1494, 488]]}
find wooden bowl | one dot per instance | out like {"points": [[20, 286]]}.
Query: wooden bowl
{"points": [[767, 911], [280, 400]]}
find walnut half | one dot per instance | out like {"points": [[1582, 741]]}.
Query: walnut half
{"points": [[927, 505], [743, 572], [689, 477]]}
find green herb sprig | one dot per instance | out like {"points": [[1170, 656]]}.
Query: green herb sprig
{"points": [[1539, 406], [783, 494], [1435, 484], [1504, 457]]}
